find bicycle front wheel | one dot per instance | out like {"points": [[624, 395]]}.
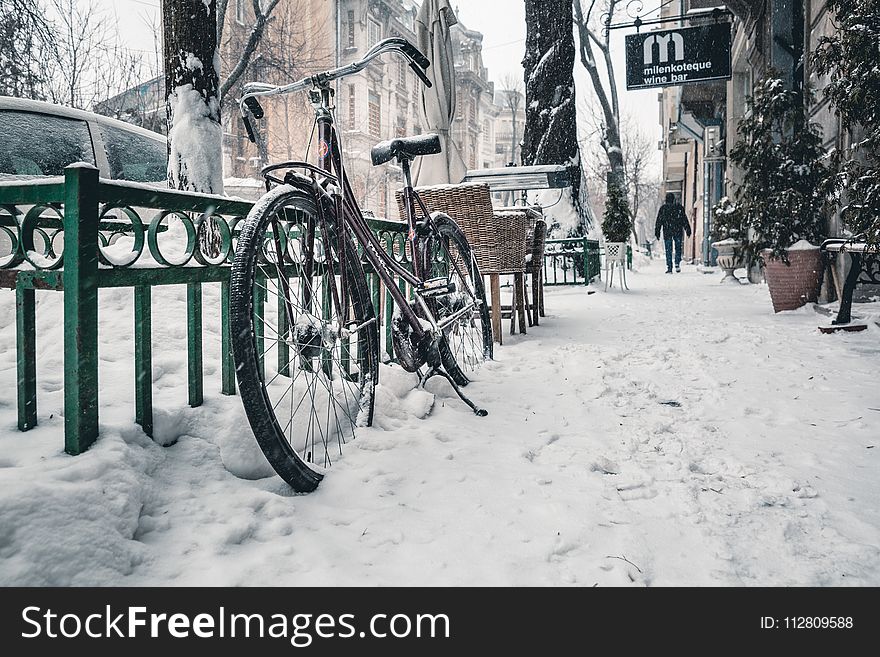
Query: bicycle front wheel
{"points": [[464, 314], [304, 334]]}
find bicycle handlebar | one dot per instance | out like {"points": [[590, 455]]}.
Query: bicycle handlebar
{"points": [[248, 104]]}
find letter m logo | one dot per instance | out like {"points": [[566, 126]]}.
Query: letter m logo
{"points": [[662, 41]]}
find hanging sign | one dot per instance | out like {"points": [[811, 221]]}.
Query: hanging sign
{"points": [[681, 56]]}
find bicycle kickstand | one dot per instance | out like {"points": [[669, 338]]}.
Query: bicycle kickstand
{"points": [[480, 412]]}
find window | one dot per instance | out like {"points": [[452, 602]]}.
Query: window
{"points": [[401, 72], [472, 111], [42, 145], [746, 91], [352, 104], [408, 19], [375, 111], [487, 133], [383, 200], [400, 131], [133, 156], [375, 31], [239, 11], [351, 29]]}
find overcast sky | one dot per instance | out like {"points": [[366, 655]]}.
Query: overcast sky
{"points": [[502, 23]]}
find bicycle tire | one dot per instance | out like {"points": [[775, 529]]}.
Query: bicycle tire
{"points": [[351, 372], [468, 342]]}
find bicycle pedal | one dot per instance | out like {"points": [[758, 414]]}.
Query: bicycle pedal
{"points": [[436, 287]]}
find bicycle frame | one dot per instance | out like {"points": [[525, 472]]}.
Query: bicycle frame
{"points": [[330, 161], [330, 164]]}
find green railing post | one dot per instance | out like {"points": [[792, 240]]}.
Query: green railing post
{"points": [[26, 355], [227, 364], [194, 343], [143, 358], [80, 307], [283, 329], [586, 261]]}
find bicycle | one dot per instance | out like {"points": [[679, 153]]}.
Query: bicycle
{"points": [[301, 243]]}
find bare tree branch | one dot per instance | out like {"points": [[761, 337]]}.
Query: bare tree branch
{"points": [[261, 17], [610, 109]]}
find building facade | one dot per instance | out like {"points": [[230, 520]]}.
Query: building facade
{"points": [[382, 102], [299, 39], [510, 124], [700, 120], [693, 118], [473, 128]]}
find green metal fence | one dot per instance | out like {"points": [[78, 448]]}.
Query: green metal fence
{"points": [[571, 261], [67, 235]]}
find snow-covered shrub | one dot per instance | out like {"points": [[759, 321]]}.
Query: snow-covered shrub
{"points": [[785, 173], [728, 221], [851, 59], [616, 224]]}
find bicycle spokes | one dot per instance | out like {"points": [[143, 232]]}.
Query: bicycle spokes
{"points": [[314, 382]]}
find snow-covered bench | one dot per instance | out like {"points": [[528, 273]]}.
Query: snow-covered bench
{"points": [[864, 268]]}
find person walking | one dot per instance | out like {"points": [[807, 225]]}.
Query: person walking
{"points": [[672, 221]]}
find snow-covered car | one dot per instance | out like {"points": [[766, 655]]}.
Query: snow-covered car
{"points": [[40, 139]]}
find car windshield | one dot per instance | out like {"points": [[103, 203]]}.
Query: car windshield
{"points": [[41, 144], [133, 156]]}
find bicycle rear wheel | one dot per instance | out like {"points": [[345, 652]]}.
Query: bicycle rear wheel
{"points": [[467, 340], [303, 332]]}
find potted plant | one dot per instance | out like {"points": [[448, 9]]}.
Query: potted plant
{"points": [[616, 223], [727, 233], [785, 182]]}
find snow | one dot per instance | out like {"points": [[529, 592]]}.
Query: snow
{"points": [[193, 63], [676, 434], [802, 245], [558, 210], [195, 141], [243, 182]]}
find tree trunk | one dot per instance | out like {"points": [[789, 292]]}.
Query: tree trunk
{"points": [[550, 135], [195, 135]]}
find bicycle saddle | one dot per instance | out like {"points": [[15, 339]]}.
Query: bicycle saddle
{"points": [[405, 148]]}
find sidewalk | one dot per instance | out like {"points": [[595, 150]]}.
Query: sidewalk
{"points": [[676, 434]]}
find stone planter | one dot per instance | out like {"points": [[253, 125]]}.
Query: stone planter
{"points": [[792, 286], [729, 258]]}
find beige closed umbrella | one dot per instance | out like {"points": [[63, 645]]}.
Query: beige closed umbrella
{"points": [[434, 19]]}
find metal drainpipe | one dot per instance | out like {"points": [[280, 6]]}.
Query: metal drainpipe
{"points": [[707, 190]]}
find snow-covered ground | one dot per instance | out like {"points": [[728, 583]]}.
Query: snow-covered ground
{"points": [[677, 434]]}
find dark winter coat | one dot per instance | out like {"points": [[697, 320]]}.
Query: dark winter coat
{"points": [[671, 219]]}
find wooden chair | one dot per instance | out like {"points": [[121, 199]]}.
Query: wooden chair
{"points": [[498, 239]]}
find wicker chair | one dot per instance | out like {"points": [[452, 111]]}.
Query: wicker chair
{"points": [[498, 239], [536, 235], [535, 240]]}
